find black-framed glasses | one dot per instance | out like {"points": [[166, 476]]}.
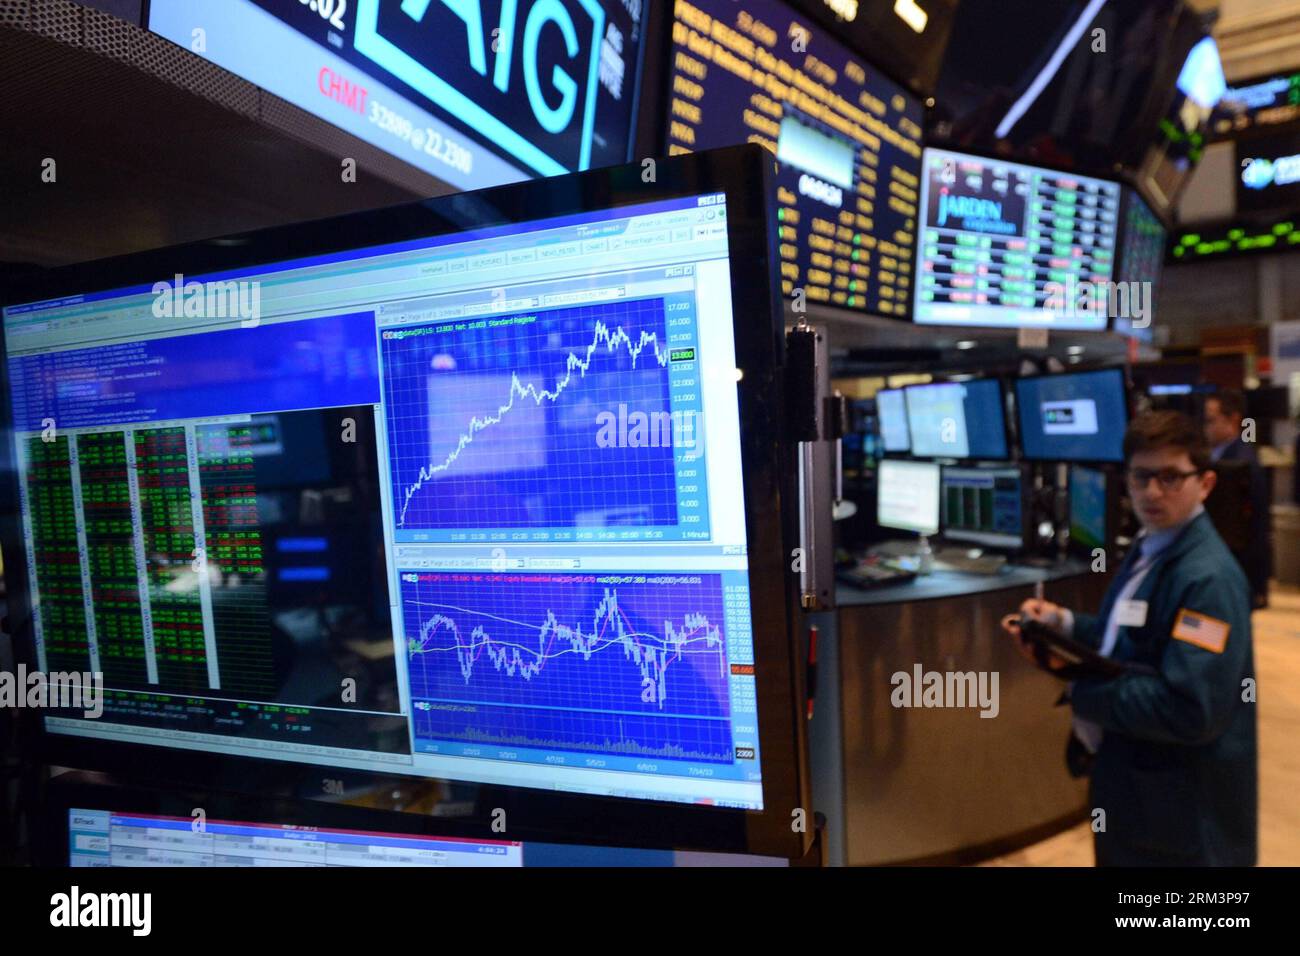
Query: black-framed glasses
{"points": [[1169, 479]]}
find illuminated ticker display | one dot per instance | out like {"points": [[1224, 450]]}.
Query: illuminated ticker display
{"points": [[847, 141], [1228, 240], [1010, 245]]}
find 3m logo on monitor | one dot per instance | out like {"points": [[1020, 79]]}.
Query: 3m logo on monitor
{"points": [[521, 73], [1075, 417]]}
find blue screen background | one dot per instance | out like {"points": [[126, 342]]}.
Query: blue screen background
{"points": [[1104, 387]]}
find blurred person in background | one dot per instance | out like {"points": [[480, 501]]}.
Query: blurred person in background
{"points": [[1225, 411]]}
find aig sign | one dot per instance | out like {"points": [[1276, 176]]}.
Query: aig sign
{"points": [[521, 73]]}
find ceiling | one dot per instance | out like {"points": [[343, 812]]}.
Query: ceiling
{"points": [[155, 146], [152, 145], [1256, 36]]}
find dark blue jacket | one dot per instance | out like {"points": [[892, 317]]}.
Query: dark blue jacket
{"points": [[1176, 771], [1257, 561]]}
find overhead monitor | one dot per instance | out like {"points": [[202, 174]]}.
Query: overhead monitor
{"points": [[1192, 67], [891, 409], [1257, 103], [1012, 246], [1075, 417], [1088, 508], [457, 490], [984, 506], [846, 138], [907, 38], [963, 420], [473, 94], [907, 496], [1142, 256], [1078, 86], [1268, 174]]}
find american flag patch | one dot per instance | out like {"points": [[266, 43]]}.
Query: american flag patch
{"points": [[1207, 632]]}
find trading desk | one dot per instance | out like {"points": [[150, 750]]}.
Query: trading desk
{"points": [[941, 784]]}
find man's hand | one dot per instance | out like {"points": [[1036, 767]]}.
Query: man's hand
{"points": [[1051, 616]]}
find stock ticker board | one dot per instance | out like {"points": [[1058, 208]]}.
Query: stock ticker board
{"points": [[847, 142], [1000, 239], [476, 93]]}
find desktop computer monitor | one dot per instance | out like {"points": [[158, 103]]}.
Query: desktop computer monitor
{"points": [[427, 491], [1079, 416], [907, 496], [1088, 508], [85, 822], [891, 409], [984, 506], [961, 420]]}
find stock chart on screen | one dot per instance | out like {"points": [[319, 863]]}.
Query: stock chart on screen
{"points": [[474, 474], [618, 668], [492, 424]]}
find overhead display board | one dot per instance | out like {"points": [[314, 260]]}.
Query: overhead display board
{"points": [[475, 93], [847, 140], [1261, 103], [1004, 244]]}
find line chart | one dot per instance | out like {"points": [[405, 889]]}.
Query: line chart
{"points": [[493, 423], [633, 665]]}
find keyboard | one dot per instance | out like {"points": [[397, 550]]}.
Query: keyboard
{"points": [[867, 575]]}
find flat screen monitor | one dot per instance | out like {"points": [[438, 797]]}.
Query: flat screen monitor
{"points": [[906, 38], [1142, 256], [1192, 66], [1076, 85], [907, 496], [1088, 508], [474, 95], [1079, 416], [1009, 246], [964, 420], [984, 506], [1257, 104], [846, 138], [1268, 181], [121, 838], [891, 408], [425, 491]]}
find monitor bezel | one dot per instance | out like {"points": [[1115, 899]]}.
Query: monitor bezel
{"points": [[743, 174], [1119, 370], [989, 157]]}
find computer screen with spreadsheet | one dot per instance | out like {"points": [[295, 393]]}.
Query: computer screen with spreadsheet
{"points": [[907, 496], [468, 507], [118, 838]]}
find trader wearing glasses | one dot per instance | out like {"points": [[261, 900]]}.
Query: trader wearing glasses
{"points": [[1174, 740]]}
